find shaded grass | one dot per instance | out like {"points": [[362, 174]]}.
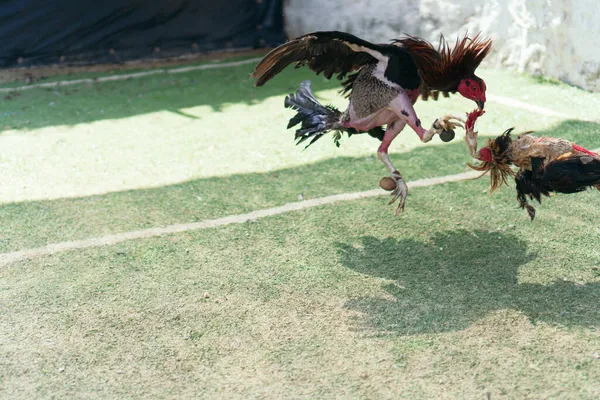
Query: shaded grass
{"points": [[40, 107], [14, 78], [34, 224], [459, 296], [162, 130]]}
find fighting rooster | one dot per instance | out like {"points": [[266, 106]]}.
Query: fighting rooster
{"points": [[383, 81], [545, 164]]}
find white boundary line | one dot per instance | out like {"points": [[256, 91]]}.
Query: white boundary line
{"points": [[507, 101], [8, 258], [121, 77]]}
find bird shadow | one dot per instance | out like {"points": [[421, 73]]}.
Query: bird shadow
{"points": [[455, 279]]}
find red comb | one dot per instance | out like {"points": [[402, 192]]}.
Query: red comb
{"points": [[485, 154]]}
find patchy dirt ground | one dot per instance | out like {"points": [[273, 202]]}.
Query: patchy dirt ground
{"points": [[32, 74]]}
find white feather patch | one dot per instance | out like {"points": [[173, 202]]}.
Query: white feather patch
{"points": [[379, 71]]}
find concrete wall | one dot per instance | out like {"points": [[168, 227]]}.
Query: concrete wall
{"points": [[556, 38]]}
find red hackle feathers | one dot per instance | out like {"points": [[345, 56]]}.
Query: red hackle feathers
{"points": [[582, 150], [427, 93], [442, 69]]}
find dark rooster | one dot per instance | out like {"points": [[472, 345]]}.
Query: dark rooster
{"points": [[546, 164], [383, 81]]}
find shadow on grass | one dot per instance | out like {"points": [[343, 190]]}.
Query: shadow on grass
{"points": [[70, 105], [455, 279], [34, 223], [27, 224]]}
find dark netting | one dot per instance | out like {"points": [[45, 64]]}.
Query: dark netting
{"points": [[71, 31]]}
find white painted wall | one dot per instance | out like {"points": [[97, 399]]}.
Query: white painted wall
{"points": [[556, 38]]}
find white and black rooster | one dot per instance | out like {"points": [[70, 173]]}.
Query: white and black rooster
{"points": [[382, 81]]}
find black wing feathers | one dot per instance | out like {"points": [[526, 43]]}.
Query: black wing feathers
{"points": [[323, 52], [571, 174]]}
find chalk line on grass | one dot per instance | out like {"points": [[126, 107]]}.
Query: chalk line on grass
{"points": [[122, 77], [7, 258], [507, 101]]}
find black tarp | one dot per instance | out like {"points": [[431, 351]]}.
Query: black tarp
{"points": [[75, 31]]}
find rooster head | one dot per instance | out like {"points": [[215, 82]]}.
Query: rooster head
{"points": [[473, 88], [495, 159]]}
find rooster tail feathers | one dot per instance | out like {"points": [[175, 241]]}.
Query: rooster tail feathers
{"points": [[315, 119], [570, 173]]}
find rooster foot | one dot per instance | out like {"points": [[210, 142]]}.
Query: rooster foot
{"points": [[445, 127], [446, 122], [530, 210], [399, 192], [337, 135]]}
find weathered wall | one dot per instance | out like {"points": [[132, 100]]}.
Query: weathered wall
{"points": [[556, 38]]}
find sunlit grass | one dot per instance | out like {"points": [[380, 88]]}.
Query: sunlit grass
{"points": [[458, 297], [461, 295]]}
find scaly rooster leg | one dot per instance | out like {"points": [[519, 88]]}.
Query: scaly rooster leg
{"points": [[471, 133], [403, 107], [401, 190]]}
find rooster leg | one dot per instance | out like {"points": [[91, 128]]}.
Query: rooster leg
{"points": [[403, 107], [401, 189]]}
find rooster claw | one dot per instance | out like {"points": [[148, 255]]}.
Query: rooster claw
{"points": [[448, 122], [399, 192], [444, 127]]}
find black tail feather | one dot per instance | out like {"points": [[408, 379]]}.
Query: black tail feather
{"points": [[316, 120], [567, 175]]}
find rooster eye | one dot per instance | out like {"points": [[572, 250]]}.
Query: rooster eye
{"points": [[474, 88]]}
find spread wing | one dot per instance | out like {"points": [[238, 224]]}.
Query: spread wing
{"points": [[323, 52]]}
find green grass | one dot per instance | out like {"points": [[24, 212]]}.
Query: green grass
{"points": [[540, 91], [144, 65], [452, 298], [33, 224], [458, 297], [199, 145]]}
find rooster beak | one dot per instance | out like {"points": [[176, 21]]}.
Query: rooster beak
{"points": [[480, 104]]}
